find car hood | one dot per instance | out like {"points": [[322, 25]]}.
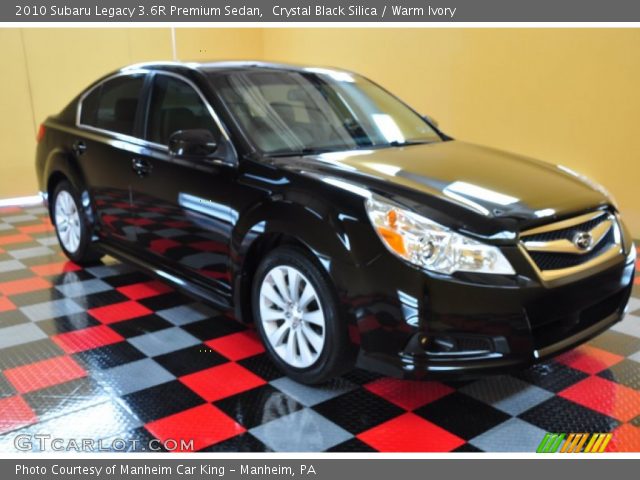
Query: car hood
{"points": [[489, 182]]}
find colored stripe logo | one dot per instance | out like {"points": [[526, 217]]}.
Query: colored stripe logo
{"points": [[574, 443]]}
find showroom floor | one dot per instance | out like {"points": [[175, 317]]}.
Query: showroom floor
{"points": [[107, 352]]}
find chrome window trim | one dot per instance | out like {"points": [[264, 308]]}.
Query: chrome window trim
{"points": [[610, 256], [141, 141]]}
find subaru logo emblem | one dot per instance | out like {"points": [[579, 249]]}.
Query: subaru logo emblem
{"points": [[583, 240]]}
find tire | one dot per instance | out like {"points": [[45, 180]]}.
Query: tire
{"points": [[291, 325], [72, 228]]}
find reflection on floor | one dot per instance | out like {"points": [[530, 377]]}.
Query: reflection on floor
{"points": [[106, 353]]}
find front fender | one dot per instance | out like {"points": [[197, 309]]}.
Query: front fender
{"points": [[323, 233]]}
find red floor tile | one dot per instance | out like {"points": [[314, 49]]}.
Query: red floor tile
{"points": [[222, 381], [604, 396], [16, 238], [6, 304], [408, 394], [86, 339], [626, 438], [55, 268], [237, 345], [138, 291], [45, 373], [15, 413], [204, 425], [23, 285], [42, 228], [589, 359], [119, 312], [410, 433]]}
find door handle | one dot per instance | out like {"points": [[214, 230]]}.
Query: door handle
{"points": [[79, 147], [141, 167]]}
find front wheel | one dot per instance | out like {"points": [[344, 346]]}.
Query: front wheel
{"points": [[296, 314]]}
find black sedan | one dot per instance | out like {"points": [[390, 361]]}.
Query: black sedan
{"points": [[347, 227]]}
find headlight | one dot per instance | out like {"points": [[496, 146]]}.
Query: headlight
{"points": [[429, 245]]}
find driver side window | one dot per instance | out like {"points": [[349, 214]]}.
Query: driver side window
{"points": [[175, 105]]}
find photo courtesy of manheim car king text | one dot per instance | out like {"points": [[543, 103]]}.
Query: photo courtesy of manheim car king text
{"points": [[296, 237]]}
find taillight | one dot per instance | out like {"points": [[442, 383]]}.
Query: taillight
{"points": [[41, 131]]}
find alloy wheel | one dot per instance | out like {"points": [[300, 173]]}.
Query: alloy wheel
{"points": [[292, 316], [67, 221]]}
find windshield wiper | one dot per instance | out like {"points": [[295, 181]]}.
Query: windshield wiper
{"points": [[407, 143], [305, 151]]}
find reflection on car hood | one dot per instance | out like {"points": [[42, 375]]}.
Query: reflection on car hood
{"points": [[490, 182]]}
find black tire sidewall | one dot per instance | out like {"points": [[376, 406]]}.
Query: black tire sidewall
{"points": [[328, 364]]}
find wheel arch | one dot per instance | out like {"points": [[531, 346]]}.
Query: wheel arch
{"points": [[60, 166], [276, 224]]}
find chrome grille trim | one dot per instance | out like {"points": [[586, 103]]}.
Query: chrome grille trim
{"points": [[564, 245], [607, 228]]}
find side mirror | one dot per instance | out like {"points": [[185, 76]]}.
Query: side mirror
{"points": [[197, 143], [431, 120]]}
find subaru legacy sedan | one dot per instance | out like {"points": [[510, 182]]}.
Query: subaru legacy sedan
{"points": [[346, 226]]}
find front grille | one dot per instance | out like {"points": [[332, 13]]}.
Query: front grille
{"points": [[567, 233], [557, 260]]}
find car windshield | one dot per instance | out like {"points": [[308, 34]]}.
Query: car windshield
{"points": [[317, 110]]}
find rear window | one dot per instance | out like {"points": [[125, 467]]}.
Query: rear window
{"points": [[112, 106]]}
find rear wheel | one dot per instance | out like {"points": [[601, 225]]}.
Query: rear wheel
{"points": [[296, 314], [72, 229]]}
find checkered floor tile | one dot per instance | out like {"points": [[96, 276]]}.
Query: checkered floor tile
{"points": [[109, 353]]}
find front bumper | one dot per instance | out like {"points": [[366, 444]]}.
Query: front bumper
{"points": [[412, 325]]}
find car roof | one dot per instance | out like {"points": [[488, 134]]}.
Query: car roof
{"points": [[225, 66]]}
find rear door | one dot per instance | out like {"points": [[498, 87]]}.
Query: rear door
{"points": [[110, 118]]}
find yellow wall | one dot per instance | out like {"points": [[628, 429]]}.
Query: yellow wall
{"points": [[567, 96], [203, 44]]}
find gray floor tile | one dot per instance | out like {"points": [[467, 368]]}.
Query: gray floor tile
{"points": [[42, 210], [312, 395], [52, 309], [634, 304], [163, 341], [19, 334], [48, 241], [507, 393], [81, 288], [31, 252], [11, 266], [185, 314], [5, 226], [630, 325], [104, 271], [134, 376], [514, 435], [302, 431], [19, 218], [100, 421]]}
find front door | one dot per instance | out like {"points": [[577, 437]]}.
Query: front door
{"points": [[184, 219]]}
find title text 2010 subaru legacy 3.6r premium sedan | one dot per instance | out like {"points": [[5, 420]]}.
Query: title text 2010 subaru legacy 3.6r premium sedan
{"points": [[346, 226]]}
